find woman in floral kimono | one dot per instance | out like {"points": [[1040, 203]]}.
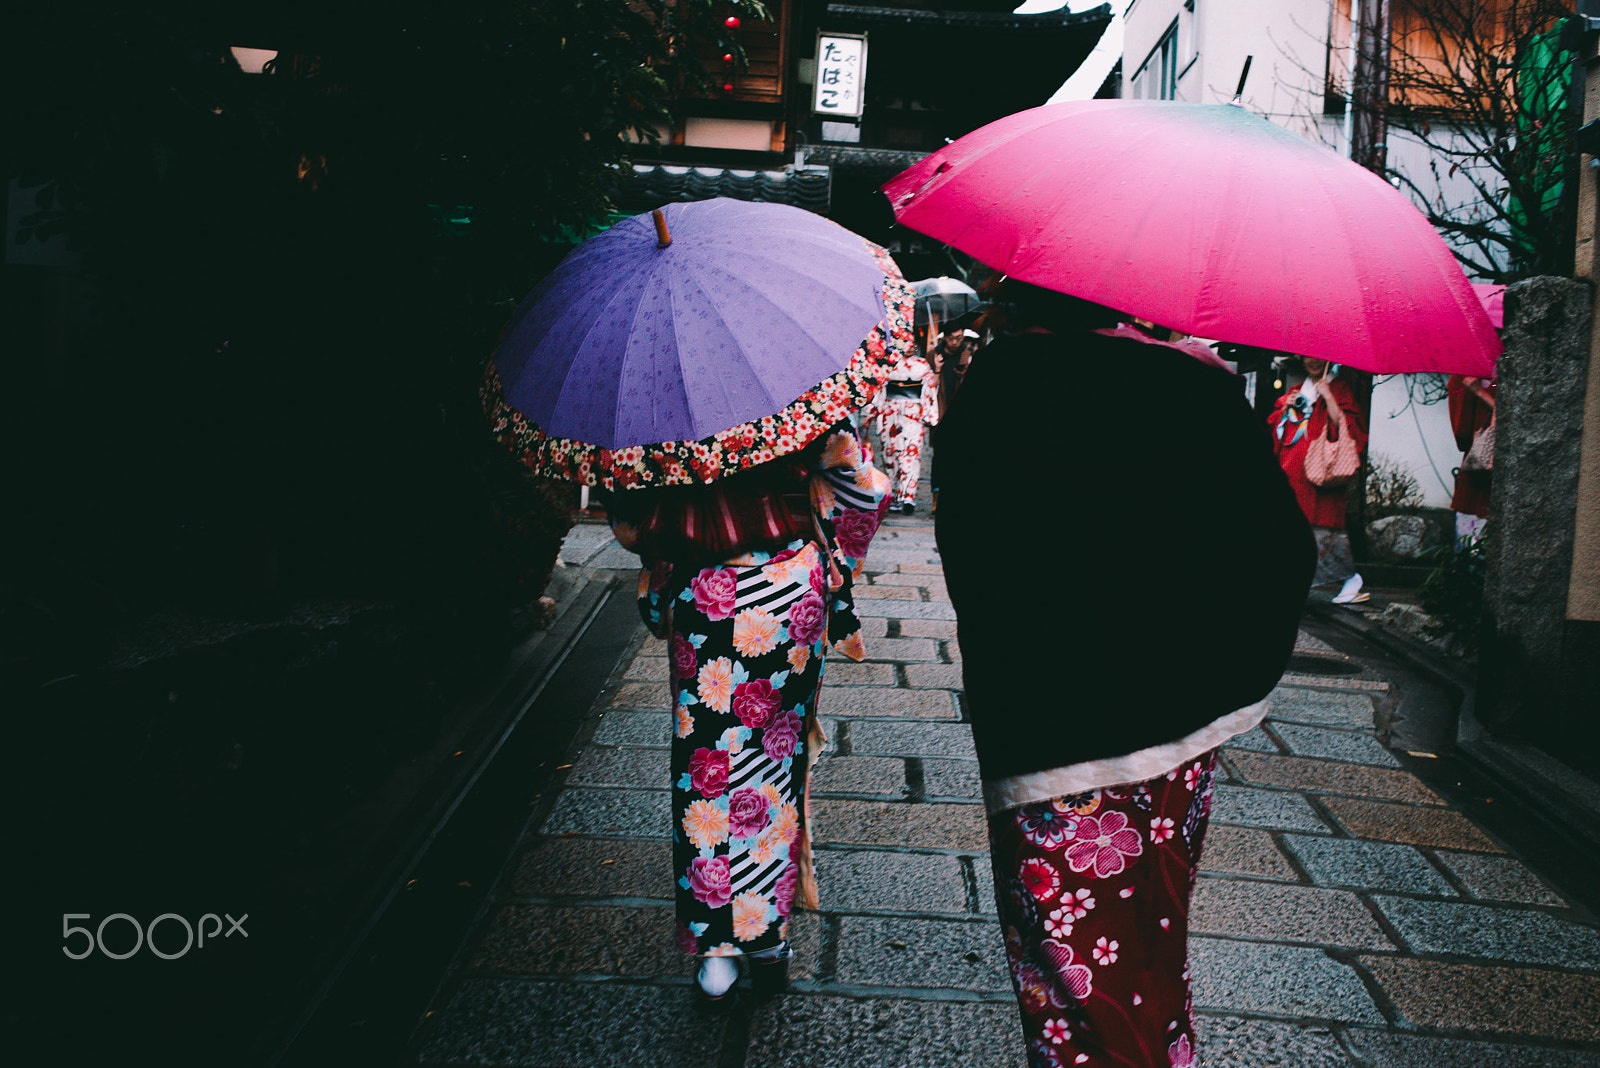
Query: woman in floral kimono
{"points": [[901, 414], [749, 579], [1097, 776]]}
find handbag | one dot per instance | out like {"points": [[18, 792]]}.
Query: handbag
{"points": [[1332, 462], [1480, 458]]}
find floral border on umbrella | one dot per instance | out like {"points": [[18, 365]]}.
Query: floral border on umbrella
{"points": [[687, 463]]}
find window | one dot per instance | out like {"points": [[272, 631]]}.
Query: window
{"points": [[1157, 79]]}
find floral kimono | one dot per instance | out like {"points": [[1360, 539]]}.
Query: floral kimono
{"points": [[748, 637]]}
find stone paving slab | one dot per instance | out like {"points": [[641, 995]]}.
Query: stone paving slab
{"points": [[879, 823], [639, 695], [1498, 879], [903, 610], [650, 665], [1296, 705], [1229, 1042], [911, 739], [1516, 1001], [842, 671], [581, 940], [1283, 913], [1257, 739], [903, 649], [1384, 1049], [1356, 864], [947, 954], [924, 580], [934, 676], [888, 593], [613, 813], [1411, 824], [951, 778], [942, 629], [888, 702], [594, 867], [1516, 935], [1334, 683], [1244, 851], [521, 1023], [817, 1031], [1265, 979], [653, 729], [868, 881], [1354, 747], [1321, 776], [625, 767], [859, 775], [1265, 808]]}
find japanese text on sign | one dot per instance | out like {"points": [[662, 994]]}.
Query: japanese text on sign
{"points": [[841, 74]]}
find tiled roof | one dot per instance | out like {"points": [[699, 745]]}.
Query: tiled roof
{"points": [[804, 187]]}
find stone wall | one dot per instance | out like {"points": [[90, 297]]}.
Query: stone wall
{"points": [[1539, 426]]}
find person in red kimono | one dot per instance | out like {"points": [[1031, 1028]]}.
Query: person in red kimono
{"points": [[1471, 410], [1322, 405]]}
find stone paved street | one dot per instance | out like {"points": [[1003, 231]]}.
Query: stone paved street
{"points": [[1347, 914]]}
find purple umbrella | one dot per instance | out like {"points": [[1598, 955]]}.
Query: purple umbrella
{"points": [[628, 342]]}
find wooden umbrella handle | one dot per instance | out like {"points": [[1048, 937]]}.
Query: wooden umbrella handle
{"points": [[663, 239]]}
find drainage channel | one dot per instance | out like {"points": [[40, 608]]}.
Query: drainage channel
{"points": [[1421, 711], [370, 1006]]}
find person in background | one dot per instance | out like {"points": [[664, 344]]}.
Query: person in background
{"points": [[749, 579], [901, 414], [1321, 405], [1098, 785], [1471, 402], [950, 362]]}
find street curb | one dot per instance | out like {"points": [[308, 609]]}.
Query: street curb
{"points": [[1567, 802]]}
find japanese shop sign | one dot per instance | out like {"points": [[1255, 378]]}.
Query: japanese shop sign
{"points": [[841, 74]]}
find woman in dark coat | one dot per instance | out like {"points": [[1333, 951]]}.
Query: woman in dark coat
{"points": [[1100, 683]]}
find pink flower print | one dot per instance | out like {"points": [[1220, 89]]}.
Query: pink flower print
{"points": [[755, 702], [1076, 976], [1181, 1053], [1041, 878], [783, 892], [1161, 829], [782, 736], [1056, 1032], [1045, 827], [1080, 903], [853, 530], [684, 662], [1059, 923], [1105, 952], [1191, 777], [1103, 845], [710, 882], [808, 619], [687, 943], [708, 772], [714, 591], [747, 813]]}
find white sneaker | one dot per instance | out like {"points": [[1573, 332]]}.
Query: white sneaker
{"points": [[1351, 590]]}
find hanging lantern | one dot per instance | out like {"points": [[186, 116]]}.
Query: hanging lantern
{"points": [[732, 22]]}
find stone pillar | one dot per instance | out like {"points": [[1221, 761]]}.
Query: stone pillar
{"points": [[1538, 432]]}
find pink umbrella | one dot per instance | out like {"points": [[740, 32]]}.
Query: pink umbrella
{"points": [[1493, 298], [1209, 220]]}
